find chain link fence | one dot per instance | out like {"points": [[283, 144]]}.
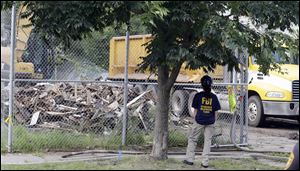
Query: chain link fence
{"points": [[73, 99]]}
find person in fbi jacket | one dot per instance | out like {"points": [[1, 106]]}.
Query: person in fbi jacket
{"points": [[205, 105]]}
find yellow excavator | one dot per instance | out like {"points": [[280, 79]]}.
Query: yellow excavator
{"points": [[27, 65]]}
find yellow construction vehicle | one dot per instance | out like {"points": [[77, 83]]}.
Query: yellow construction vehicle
{"points": [[25, 68], [269, 95], [117, 61]]}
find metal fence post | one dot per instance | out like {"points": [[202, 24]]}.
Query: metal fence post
{"points": [[11, 76], [242, 80], [246, 98], [125, 117], [235, 88]]}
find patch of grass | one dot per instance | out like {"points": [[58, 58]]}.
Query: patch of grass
{"points": [[241, 164], [3, 146], [177, 139], [136, 138], [180, 139], [3, 138], [115, 141], [144, 163], [25, 140]]}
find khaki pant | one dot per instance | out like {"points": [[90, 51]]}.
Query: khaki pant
{"points": [[193, 138]]}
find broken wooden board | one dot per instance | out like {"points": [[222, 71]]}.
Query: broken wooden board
{"points": [[35, 118]]}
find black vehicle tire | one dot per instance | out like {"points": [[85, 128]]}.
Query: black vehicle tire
{"points": [[179, 103], [256, 116]]}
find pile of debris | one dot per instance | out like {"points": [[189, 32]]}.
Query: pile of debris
{"points": [[80, 107]]}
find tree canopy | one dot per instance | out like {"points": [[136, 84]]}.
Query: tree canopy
{"points": [[205, 33], [178, 27]]}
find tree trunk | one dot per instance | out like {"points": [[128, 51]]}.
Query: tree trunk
{"points": [[161, 131], [160, 141]]}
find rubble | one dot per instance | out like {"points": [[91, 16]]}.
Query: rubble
{"points": [[79, 107]]}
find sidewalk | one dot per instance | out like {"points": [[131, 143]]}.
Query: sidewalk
{"points": [[53, 157]]}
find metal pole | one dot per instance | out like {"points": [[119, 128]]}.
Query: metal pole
{"points": [[234, 77], [124, 130], [243, 100], [12, 74], [246, 98]]}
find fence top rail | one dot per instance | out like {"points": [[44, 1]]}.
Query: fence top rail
{"points": [[70, 81], [191, 84], [122, 82]]}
